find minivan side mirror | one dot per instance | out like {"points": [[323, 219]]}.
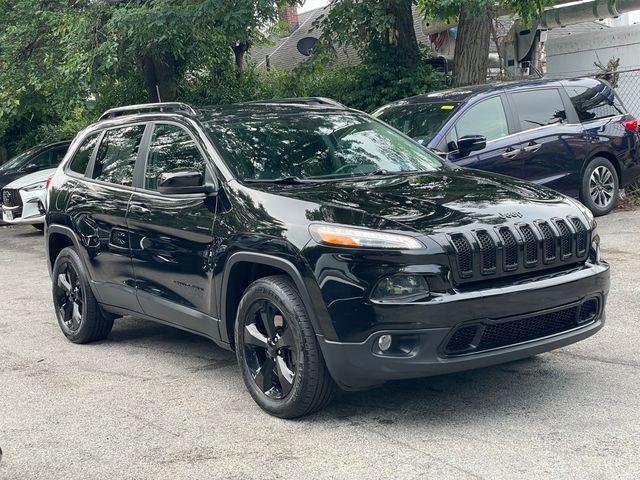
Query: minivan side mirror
{"points": [[471, 143], [183, 182]]}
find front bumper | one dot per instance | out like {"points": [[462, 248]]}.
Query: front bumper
{"points": [[360, 365], [31, 212]]}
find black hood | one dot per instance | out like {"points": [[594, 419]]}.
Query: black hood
{"points": [[439, 202]]}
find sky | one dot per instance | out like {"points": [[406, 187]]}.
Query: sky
{"points": [[311, 4]]}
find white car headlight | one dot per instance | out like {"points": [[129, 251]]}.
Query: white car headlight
{"points": [[35, 186], [357, 237]]}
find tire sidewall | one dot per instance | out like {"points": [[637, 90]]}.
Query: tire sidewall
{"points": [[264, 290], [584, 190]]}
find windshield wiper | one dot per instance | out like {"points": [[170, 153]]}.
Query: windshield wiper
{"points": [[291, 180], [382, 172]]}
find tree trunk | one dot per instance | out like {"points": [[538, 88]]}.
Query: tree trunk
{"points": [[160, 77], [471, 58], [403, 35], [239, 52]]}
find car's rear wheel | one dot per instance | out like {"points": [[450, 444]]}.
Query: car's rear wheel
{"points": [[76, 308], [281, 362], [600, 186]]}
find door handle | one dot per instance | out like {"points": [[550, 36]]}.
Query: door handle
{"points": [[139, 209], [510, 153], [532, 147], [78, 198]]}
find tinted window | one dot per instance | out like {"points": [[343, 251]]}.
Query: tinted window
{"points": [[57, 154], [537, 108], [315, 145], [81, 159], [419, 121], [171, 149], [117, 155], [594, 103], [487, 118], [42, 160]]}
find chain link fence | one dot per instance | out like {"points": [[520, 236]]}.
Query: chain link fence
{"points": [[627, 84]]}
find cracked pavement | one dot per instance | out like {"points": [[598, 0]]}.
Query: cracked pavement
{"points": [[158, 403]]}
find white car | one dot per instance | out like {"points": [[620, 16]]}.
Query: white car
{"points": [[24, 201]]}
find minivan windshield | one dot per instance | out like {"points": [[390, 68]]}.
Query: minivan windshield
{"points": [[17, 161], [420, 121], [315, 145]]}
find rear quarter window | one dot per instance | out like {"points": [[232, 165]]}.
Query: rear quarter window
{"points": [[594, 103], [80, 160]]}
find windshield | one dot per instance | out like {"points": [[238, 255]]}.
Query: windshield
{"points": [[316, 146], [419, 121], [17, 161]]}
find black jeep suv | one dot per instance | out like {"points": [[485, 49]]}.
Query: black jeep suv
{"points": [[326, 248]]}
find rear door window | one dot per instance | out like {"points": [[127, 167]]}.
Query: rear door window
{"points": [[539, 108], [117, 155], [486, 118], [594, 103]]}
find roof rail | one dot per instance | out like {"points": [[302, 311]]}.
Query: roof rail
{"points": [[304, 101], [149, 107]]}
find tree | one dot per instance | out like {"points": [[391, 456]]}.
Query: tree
{"points": [[474, 19], [380, 29]]}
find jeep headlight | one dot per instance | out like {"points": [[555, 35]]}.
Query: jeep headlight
{"points": [[359, 237], [400, 287]]}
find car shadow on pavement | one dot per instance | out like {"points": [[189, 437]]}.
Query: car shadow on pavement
{"points": [[509, 389]]}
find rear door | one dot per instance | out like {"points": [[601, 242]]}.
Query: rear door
{"points": [[551, 138], [490, 118], [98, 204], [171, 235]]}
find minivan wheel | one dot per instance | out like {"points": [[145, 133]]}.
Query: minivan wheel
{"points": [[600, 186], [76, 308], [277, 351]]}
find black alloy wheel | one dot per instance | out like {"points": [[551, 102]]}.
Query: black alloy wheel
{"points": [[270, 349], [79, 315], [69, 298], [277, 350]]}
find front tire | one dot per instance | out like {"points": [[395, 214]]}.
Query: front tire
{"points": [[277, 351], [600, 185], [77, 310]]}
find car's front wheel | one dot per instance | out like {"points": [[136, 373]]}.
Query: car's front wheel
{"points": [[600, 186], [281, 362], [77, 310]]}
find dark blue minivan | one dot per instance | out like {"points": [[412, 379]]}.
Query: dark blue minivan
{"points": [[570, 135]]}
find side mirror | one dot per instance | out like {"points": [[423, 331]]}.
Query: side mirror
{"points": [[183, 182], [471, 143]]}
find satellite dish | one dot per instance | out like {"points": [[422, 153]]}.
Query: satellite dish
{"points": [[306, 45]]}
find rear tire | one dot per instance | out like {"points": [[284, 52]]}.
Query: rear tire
{"points": [[77, 310], [600, 186], [277, 351]]}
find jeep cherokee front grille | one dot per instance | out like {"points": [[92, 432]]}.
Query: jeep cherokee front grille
{"points": [[516, 249]]}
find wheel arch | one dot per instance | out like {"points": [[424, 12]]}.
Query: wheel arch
{"points": [[244, 268]]}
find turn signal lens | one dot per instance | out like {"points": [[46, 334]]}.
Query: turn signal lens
{"points": [[355, 237]]}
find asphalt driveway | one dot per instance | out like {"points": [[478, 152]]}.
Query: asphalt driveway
{"points": [[153, 402]]}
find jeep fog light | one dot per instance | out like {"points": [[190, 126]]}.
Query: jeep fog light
{"points": [[384, 342], [395, 288]]}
